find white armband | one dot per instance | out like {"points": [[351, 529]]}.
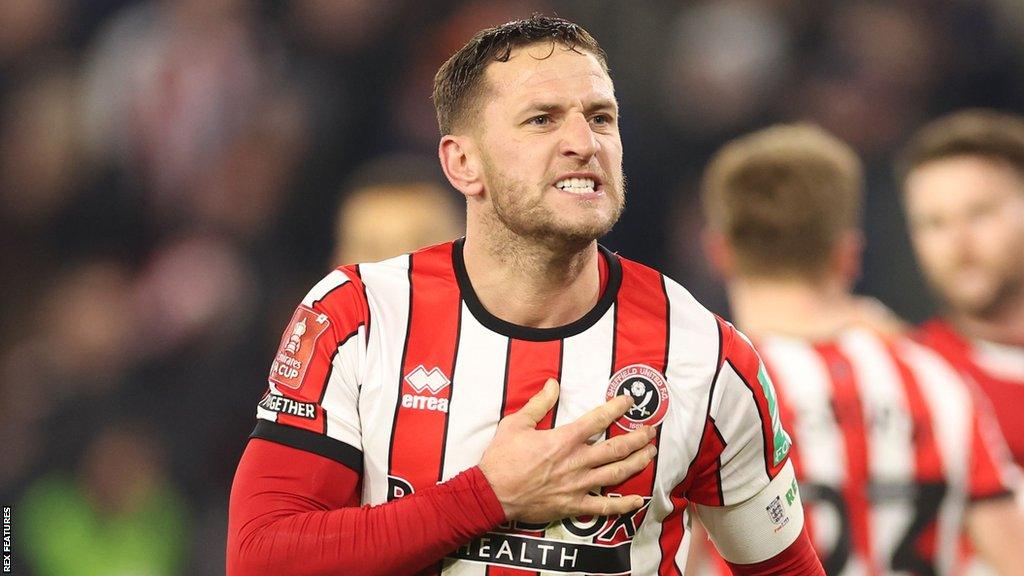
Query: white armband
{"points": [[761, 527]]}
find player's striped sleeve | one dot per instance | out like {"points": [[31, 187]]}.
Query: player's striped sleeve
{"points": [[311, 402], [992, 473], [743, 426], [745, 491]]}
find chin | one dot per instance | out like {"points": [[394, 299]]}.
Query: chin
{"points": [[591, 230], [571, 237], [973, 304]]}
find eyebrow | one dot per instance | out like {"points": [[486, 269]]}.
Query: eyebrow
{"points": [[548, 107]]}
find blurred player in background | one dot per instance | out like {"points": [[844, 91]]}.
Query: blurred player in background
{"points": [[895, 455], [393, 376], [963, 178], [391, 206]]}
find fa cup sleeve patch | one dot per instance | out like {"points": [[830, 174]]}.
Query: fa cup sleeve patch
{"points": [[297, 347]]}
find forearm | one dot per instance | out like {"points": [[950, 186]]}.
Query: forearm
{"points": [[296, 513]]}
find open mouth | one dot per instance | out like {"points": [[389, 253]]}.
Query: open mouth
{"points": [[580, 186]]}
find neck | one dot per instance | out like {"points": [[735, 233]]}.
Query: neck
{"points": [[550, 286], [814, 310], [1004, 327]]}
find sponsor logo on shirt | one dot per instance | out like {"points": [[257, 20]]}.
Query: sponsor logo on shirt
{"points": [[536, 552], [398, 488], [433, 380], [427, 384], [649, 391], [546, 554], [297, 347]]}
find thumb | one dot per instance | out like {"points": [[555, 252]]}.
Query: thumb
{"points": [[541, 403]]}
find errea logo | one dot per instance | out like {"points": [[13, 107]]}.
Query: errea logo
{"points": [[427, 384], [420, 379]]}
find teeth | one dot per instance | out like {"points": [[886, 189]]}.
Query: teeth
{"points": [[576, 185]]}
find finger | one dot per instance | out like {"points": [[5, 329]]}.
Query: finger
{"points": [[600, 418], [607, 505], [540, 404], [617, 448], [618, 472]]}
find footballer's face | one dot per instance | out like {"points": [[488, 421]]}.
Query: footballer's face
{"points": [[550, 147], [966, 219]]}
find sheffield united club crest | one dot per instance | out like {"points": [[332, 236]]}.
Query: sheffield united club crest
{"points": [[649, 391]]}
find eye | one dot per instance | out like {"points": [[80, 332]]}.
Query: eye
{"points": [[984, 210], [929, 223], [542, 120], [601, 119]]}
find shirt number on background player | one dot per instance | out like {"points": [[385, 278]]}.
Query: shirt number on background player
{"points": [[927, 498]]}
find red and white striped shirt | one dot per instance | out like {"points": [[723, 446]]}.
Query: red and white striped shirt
{"points": [[997, 369], [891, 448], [396, 370]]}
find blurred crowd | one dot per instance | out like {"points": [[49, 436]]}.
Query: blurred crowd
{"points": [[176, 173]]}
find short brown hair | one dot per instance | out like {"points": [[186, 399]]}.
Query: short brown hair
{"points": [[975, 132], [782, 197], [459, 81]]}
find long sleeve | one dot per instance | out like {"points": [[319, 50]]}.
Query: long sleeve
{"points": [[298, 513]]}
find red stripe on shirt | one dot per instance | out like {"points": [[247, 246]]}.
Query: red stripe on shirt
{"points": [[418, 436], [927, 458], [528, 367], [419, 433], [641, 337], [849, 413], [928, 467]]}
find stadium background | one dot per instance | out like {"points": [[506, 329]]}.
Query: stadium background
{"points": [[170, 170]]}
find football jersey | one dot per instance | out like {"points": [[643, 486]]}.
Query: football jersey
{"points": [[891, 447], [998, 370], [397, 370]]}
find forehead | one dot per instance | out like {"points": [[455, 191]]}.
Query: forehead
{"points": [[957, 183], [546, 70], [964, 176]]}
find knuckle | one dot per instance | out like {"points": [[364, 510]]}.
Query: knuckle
{"points": [[619, 472], [620, 450], [637, 443], [638, 466], [574, 462]]}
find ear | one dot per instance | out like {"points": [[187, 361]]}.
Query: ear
{"points": [[846, 256], [458, 160], [718, 253]]}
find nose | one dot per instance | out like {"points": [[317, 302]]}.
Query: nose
{"points": [[957, 239], [578, 140]]}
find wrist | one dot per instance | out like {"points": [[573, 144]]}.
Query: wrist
{"points": [[488, 477], [497, 512]]}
